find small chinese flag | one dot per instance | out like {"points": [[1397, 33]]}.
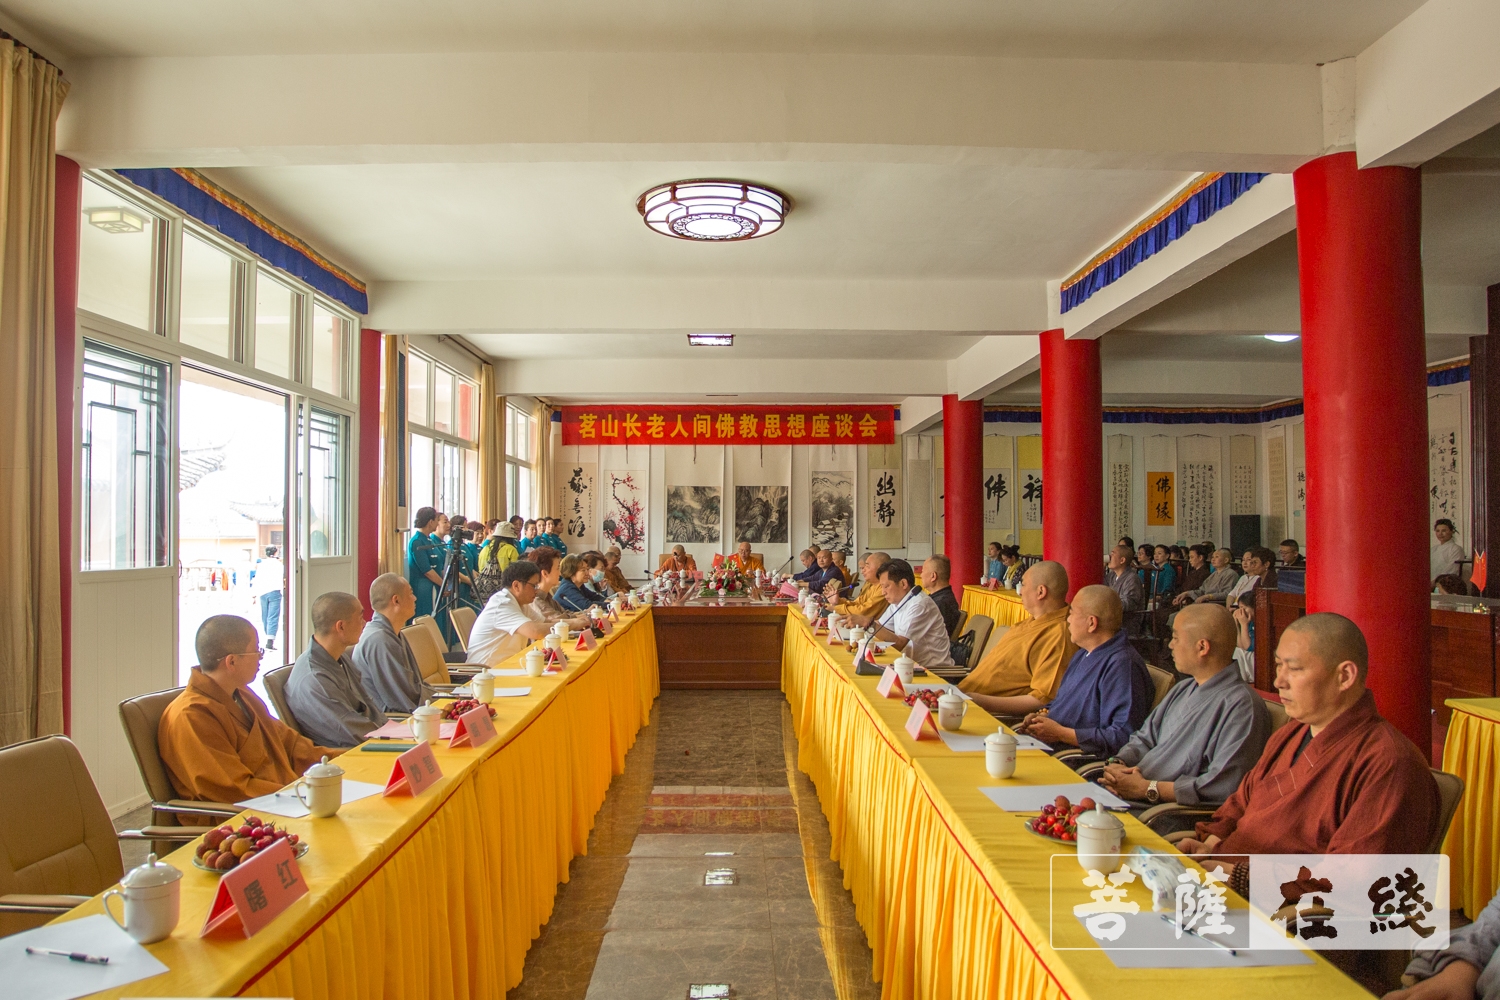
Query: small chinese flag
{"points": [[1481, 573]]}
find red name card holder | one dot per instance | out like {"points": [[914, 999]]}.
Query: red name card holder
{"points": [[556, 660], [607, 625], [586, 639], [253, 894], [613, 615], [475, 728], [415, 771], [834, 639], [920, 724], [890, 685]]}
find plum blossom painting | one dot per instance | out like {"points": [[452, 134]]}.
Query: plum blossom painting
{"points": [[624, 522]]}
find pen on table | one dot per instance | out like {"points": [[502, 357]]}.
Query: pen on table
{"points": [[72, 956], [1200, 937]]}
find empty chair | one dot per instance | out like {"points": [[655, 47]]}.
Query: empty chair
{"points": [[428, 651], [958, 626], [463, 619], [276, 688], [449, 655], [982, 626], [1450, 791], [141, 719]]}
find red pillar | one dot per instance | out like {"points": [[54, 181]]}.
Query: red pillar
{"points": [[963, 485], [369, 463], [1072, 458], [1364, 384], [68, 210]]}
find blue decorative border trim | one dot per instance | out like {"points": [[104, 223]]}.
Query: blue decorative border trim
{"points": [[1196, 203], [221, 211]]}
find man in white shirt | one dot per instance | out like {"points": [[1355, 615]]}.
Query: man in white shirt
{"points": [[270, 574], [1446, 553], [508, 612], [911, 622]]}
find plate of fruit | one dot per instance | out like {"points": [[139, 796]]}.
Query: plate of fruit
{"points": [[463, 705], [929, 698], [1059, 819], [228, 847]]}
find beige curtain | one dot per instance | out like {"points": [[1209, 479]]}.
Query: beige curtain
{"points": [[31, 93], [491, 447], [393, 453], [542, 461]]}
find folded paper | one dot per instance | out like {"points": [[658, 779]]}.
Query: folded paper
{"points": [[475, 728], [253, 894], [416, 771]]}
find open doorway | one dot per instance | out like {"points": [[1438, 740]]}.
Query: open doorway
{"points": [[232, 506]]}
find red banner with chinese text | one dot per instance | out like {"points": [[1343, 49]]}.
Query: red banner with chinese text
{"points": [[729, 425]]}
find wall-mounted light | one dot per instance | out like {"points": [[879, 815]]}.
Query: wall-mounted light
{"points": [[711, 339], [1282, 338], [116, 219]]}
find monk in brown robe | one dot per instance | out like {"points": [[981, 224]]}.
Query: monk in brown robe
{"points": [[217, 739], [1022, 671]]}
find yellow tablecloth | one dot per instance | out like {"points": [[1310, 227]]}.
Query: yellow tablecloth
{"points": [[1472, 751], [1002, 605], [952, 892], [439, 895]]}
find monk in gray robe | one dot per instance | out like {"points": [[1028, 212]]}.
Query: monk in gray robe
{"points": [[324, 691], [387, 666]]}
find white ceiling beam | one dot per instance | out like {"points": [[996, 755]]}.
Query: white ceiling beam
{"points": [[587, 303], [1163, 377], [664, 380], [1428, 84], [1257, 217], [471, 107], [994, 363], [919, 413]]}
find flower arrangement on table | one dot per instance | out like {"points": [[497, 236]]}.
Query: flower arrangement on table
{"points": [[724, 576]]}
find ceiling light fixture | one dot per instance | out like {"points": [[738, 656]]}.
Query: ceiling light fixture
{"points": [[713, 210], [116, 220], [711, 339], [1283, 338]]}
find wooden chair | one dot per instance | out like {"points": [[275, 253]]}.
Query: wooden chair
{"points": [[426, 645], [463, 624], [276, 687], [141, 719]]}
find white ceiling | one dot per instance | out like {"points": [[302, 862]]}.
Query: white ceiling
{"points": [[809, 345], [1271, 31]]}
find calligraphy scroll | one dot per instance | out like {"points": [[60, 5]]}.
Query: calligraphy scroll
{"points": [[884, 527], [1299, 484], [1161, 487], [1120, 452], [999, 484], [1444, 463], [576, 494], [1276, 482], [1030, 484], [733, 425], [919, 501], [1242, 474], [1198, 457]]}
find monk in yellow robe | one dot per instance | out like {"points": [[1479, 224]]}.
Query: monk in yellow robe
{"points": [[217, 739], [1022, 671], [869, 604], [745, 561]]}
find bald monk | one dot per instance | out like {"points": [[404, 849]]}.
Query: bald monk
{"points": [[745, 560], [870, 603], [1105, 692], [325, 692], [677, 560], [218, 740], [1022, 672], [385, 660]]}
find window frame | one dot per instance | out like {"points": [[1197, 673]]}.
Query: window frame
{"points": [[423, 425], [514, 462]]}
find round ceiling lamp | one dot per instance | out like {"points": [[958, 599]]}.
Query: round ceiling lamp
{"points": [[715, 211]]}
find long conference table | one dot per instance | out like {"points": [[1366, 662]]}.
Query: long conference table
{"points": [[1471, 750], [441, 895]]}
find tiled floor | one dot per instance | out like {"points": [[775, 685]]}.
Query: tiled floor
{"points": [[707, 786]]}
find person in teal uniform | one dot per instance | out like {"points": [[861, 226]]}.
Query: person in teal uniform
{"points": [[471, 563], [424, 560]]}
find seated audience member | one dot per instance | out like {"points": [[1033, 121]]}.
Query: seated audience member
{"points": [[529, 538], [1338, 778], [518, 522], [814, 548], [1010, 558], [1290, 553], [994, 569], [547, 535], [614, 577], [1260, 571], [573, 592], [827, 574], [217, 739], [1023, 668], [1216, 586], [1450, 583], [387, 666], [510, 611], [1192, 575], [1468, 969], [1143, 558], [677, 561], [1125, 581], [501, 545], [324, 690], [1208, 731], [1160, 577], [745, 560], [809, 565], [911, 621], [870, 602], [1126, 541], [549, 564], [1244, 640], [598, 573], [1105, 692], [935, 584], [1447, 553], [841, 564]]}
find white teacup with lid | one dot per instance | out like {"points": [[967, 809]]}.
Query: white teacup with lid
{"points": [[483, 685], [1100, 835], [906, 667], [552, 641], [560, 630], [1000, 754], [153, 901], [324, 787], [536, 662], [951, 709], [426, 723]]}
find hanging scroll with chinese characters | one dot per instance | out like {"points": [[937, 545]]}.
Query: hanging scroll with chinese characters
{"points": [[576, 494], [737, 425], [1242, 474], [1198, 457], [1444, 466], [919, 501], [1030, 485], [1161, 488], [1120, 452], [999, 486], [1299, 483], [884, 525], [1276, 482]]}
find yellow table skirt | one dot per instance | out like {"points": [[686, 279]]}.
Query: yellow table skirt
{"points": [[952, 892], [1472, 751], [440, 895], [1002, 605]]}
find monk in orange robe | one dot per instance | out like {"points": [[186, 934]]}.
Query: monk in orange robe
{"points": [[217, 739], [1024, 668]]}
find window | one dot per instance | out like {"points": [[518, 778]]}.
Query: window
{"points": [[418, 371], [422, 492], [325, 478], [117, 258], [442, 400], [519, 492], [442, 409], [208, 283], [466, 412], [275, 319], [124, 459], [451, 499], [330, 338]]}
